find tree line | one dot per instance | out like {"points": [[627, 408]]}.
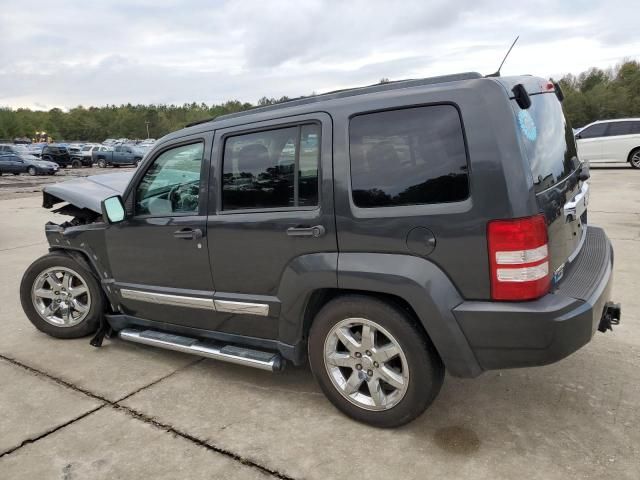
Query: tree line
{"points": [[595, 94]]}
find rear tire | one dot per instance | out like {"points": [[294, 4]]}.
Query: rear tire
{"points": [[634, 158], [76, 164], [55, 303], [32, 171], [102, 163], [365, 380]]}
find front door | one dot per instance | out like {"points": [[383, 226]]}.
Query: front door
{"points": [[272, 207], [158, 255]]}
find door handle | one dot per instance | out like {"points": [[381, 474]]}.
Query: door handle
{"points": [[315, 231], [188, 233]]}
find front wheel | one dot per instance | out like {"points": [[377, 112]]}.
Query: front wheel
{"points": [[102, 163], [32, 171], [634, 158], [61, 297], [76, 164], [372, 362]]}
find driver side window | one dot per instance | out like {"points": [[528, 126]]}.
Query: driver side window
{"points": [[171, 185]]}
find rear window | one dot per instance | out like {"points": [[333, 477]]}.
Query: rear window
{"points": [[547, 139], [408, 157]]}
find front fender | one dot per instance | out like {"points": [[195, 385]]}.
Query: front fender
{"points": [[426, 289]]}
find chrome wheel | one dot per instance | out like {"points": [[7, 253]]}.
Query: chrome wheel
{"points": [[635, 159], [366, 364], [61, 297]]}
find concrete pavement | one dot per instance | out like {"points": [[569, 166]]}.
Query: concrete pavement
{"points": [[68, 410]]}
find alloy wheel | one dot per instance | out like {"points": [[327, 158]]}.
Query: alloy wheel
{"points": [[366, 364], [61, 297], [635, 159]]}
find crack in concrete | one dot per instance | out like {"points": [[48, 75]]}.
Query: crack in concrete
{"points": [[50, 431], [134, 414], [22, 246]]}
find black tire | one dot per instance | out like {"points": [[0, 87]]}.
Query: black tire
{"points": [[136, 162], [96, 309], [424, 364], [102, 163], [634, 158], [76, 164], [32, 171]]}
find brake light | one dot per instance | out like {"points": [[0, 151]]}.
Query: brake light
{"points": [[518, 258]]}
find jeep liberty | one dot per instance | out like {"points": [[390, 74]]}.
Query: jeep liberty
{"points": [[383, 234]]}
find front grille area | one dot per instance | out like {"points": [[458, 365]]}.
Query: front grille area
{"points": [[582, 276]]}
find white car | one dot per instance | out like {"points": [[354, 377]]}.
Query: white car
{"points": [[610, 141]]}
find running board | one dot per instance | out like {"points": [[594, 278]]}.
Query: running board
{"points": [[205, 348]]}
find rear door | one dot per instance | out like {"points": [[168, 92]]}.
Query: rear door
{"points": [[548, 142], [272, 205], [590, 142]]}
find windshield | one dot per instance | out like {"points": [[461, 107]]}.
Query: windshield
{"points": [[547, 139], [20, 149]]}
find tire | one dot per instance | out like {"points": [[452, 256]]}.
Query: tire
{"points": [[16, 173], [76, 164], [32, 171], [85, 322], [416, 362], [634, 158], [102, 163], [136, 162]]}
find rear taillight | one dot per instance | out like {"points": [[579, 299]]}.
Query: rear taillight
{"points": [[519, 258]]}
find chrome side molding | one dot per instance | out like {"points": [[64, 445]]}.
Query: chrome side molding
{"points": [[224, 306], [166, 299], [229, 306]]}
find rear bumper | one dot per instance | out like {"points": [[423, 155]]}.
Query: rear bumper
{"points": [[510, 335]]}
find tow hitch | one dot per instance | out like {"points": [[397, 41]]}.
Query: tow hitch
{"points": [[610, 316]]}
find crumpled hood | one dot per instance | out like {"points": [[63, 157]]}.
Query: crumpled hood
{"points": [[87, 192]]}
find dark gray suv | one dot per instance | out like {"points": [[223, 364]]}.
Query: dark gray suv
{"points": [[383, 234]]}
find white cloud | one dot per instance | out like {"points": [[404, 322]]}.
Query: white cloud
{"points": [[164, 51]]}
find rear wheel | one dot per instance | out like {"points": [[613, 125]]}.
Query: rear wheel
{"points": [[102, 163], [32, 171], [76, 164], [634, 158], [61, 297], [371, 361]]}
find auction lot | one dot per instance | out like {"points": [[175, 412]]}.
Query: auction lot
{"points": [[69, 410]]}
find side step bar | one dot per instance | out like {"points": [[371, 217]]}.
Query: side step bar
{"points": [[227, 353]]}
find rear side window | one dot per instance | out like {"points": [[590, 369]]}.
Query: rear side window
{"points": [[619, 128], [272, 169], [407, 157]]}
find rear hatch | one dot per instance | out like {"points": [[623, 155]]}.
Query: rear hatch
{"points": [[549, 146]]}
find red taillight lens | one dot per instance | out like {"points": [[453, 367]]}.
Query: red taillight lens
{"points": [[518, 258]]}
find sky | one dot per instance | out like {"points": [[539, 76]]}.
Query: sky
{"points": [[97, 52]]}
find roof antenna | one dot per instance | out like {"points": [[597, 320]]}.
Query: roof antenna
{"points": [[497, 73]]}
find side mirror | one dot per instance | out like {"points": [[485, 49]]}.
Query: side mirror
{"points": [[113, 209]]}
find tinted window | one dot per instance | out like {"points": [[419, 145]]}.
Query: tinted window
{"points": [[171, 185], [619, 128], [635, 127], [406, 157], [272, 169], [547, 139], [594, 131]]}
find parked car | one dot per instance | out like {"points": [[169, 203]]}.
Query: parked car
{"points": [[610, 141], [12, 163], [400, 234], [20, 150], [57, 154], [83, 157], [117, 156]]}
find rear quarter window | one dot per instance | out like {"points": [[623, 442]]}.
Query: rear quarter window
{"points": [[408, 157]]}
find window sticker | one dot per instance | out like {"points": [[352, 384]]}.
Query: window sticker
{"points": [[527, 125]]}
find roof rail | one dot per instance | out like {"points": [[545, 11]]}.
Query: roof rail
{"points": [[347, 92]]}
